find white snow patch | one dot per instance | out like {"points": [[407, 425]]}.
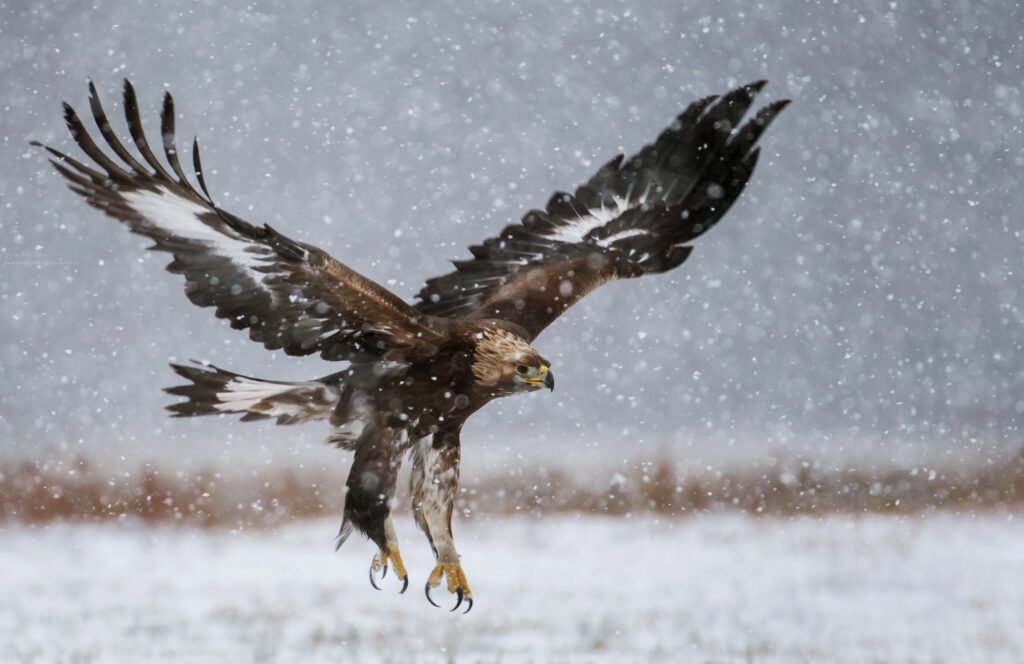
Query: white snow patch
{"points": [[939, 588]]}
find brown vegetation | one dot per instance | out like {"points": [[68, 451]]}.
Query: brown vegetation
{"points": [[34, 493]]}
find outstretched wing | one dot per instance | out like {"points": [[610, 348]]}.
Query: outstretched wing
{"points": [[630, 219], [288, 294]]}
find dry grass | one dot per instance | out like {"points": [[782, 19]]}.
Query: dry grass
{"points": [[77, 491], [775, 490]]}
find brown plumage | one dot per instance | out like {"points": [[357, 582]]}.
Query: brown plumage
{"points": [[413, 373]]}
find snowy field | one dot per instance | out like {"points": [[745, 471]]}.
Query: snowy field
{"points": [[728, 588]]}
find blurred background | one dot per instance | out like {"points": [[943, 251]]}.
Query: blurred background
{"points": [[849, 339], [864, 291], [863, 294], [857, 313]]}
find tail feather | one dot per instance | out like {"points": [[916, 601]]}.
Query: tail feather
{"points": [[213, 391]]}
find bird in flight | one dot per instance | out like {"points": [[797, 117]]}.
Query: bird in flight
{"points": [[411, 374]]}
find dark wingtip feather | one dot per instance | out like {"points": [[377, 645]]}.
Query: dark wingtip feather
{"points": [[167, 134], [128, 94], [100, 116], [76, 180], [198, 167], [70, 117], [134, 119], [747, 136], [167, 116], [776, 107], [765, 116]]}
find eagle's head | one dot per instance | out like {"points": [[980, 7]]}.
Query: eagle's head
{"points": [[506, 364]]}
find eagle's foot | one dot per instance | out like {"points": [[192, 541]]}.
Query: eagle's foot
{"points": [[457, 584], [380, 564]]}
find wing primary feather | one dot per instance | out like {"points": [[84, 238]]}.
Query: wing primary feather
{"points": [[87, 145], [95, 175], [752, 130], [74, 177], [131, 114], [167, 134], [704, 210], [103, 123], [198, 166]]}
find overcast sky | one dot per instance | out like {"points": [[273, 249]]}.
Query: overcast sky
{"points": [[867, 284]]}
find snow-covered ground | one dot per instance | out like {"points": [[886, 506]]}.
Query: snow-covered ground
{"points": [[728, 588]]}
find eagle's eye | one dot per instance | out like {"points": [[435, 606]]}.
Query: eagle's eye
{"points": [[522, 369]]}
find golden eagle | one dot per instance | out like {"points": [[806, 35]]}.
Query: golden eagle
{"points": [[413, 372]]}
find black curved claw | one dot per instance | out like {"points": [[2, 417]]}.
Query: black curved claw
{"points": [[373, 582], [384, 572], [469, 601], [428, 596], [405, 584], [458, 594]]}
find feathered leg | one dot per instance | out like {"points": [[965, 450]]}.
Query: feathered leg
{"points": [[369, 491], [435, 478]]}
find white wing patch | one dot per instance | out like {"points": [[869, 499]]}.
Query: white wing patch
{"points": [[577, 229], [622, 235], [180, 217]]}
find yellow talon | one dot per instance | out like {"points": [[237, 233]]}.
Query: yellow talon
{"points": [[457, 583], [380, 562]]}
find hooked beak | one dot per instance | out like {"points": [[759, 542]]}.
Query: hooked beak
{"points": [[544, 378]]}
